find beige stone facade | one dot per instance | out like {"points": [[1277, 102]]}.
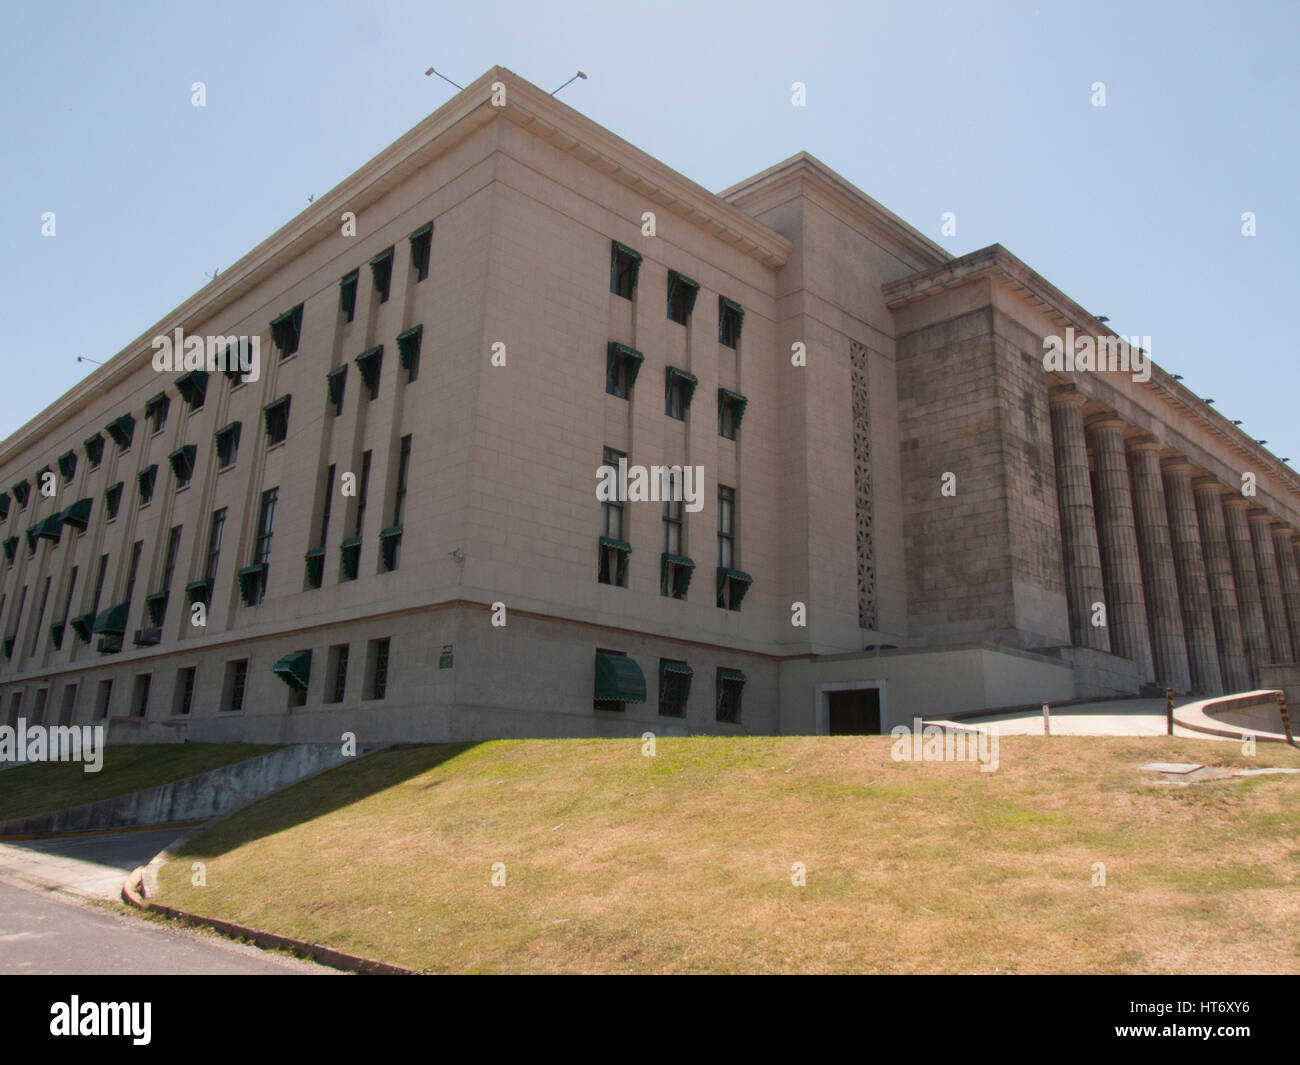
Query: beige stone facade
{"points": [[944, 514]]}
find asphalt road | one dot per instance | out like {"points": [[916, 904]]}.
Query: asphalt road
{"points": [[43, 932]]}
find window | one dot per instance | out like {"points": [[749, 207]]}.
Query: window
{"points": [[368, 364], [140, 699], [103, 698], [4, 506], [730, 319], [56, 631], [40, 616], [157, 602], [215, 531], [227, 439], [334, 382], [680, 387], [614, 550], [113, 500], [731, 683], [674, 687], [381, 272], [232, 695], [377, 669], [390, 539], [681, 297], [350, 549], [15, 708], [94, 450], [155, 413], [121, 430], [675, 569], [316, 555], [277, 421], [137, 549], [253, 578], [184, 690], [182, 464], [146, 482], [619, 681], [623, 268], [193, 388], [421, 245], [22, 492], [726, 525], [338, 674], [363, 490], [286, 331], [622, 364], [38, 711], [408, 351], [99, 585], [731, 409], [67, 465], [348, 295]]}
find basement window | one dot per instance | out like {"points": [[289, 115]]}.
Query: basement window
{"points": [[622, 364], [731, 409], [381, 272], [624, 266], [369, 363], [674, 687], [421, 245], [408, 351], [679, 388], [348, 295], [730, 318], [286, 331], [276, 415], [619, 681], [681, 297], [731, 685]]}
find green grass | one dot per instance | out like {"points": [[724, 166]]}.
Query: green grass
{"points": [[682, 862], [45, 786]]}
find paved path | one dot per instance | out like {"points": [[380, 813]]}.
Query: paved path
{"points": [[93, 866], [1126, 717], [42, 932]]}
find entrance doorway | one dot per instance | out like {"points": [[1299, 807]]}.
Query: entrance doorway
{"points": [[854, 713]]}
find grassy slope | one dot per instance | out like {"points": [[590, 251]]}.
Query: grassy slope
{"points": [[45, 786], [682, 862]]}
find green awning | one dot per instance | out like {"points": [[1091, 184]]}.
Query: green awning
{"points": [[724, 306], [334, 382], [83, 625], [294, 669], [676, 281], [615, 351], [193, 387], [94, 446], [228, 436], [679, 668], [688, 380], [408, 345], [78, 514], [182, 462], [424, 231], [617, 545], [286, 330], [121, 430], [22, 492], [250, 578], [31, 536], [738, 404], [156, 604], [158, 404], [113, 499], [385, 256], [369, 363], [113, 620], [51, 528], [729, 676], [11, 548], [350, 542], [199, 592], [348, 293], [56, 633], [381, 272], [619, 679], [67, 465], [269, 411], [618, 249], [742, 580]]}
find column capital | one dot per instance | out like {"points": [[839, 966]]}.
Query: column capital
{"points": [[1235, 499], [1177, 464], [1105, 421], [1209, 483], [1261, 516], [1066, 396], [1143, 442]]}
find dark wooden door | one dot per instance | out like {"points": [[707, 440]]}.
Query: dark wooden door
{"points": [[855, 713]]}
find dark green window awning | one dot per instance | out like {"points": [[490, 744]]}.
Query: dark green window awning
{"points": [[228, 434], [731, 307], [725, 574], [83, 626], [31, 536], [619, 679], [676, 281], [67, 465], [250, 578], [78, 514], [729, 676], [369, 363], [11, 548], [348, 293], [680, 669], [408, 344], [423, 231], [182, 462], [94, 446], [286, 327], [688, 382], [158, 404], [381, 272], [618, 249], [22, 491], [50, 528], [113, 620], [193, 387], [614, 351], [121, 430], [617, 545], [334, 381], [383, 258], [272, 409], [145, 480], [199, 592], [738, 404], [294, 669]]}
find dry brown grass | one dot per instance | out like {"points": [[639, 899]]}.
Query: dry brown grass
{"points": [[682, 862]]}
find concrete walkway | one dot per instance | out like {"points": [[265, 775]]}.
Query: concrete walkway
{"points": [[92, 866], [1121, 717]]}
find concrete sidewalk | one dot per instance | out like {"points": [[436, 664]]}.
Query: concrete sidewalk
{"points": [[1120, 717], [92, 866]]}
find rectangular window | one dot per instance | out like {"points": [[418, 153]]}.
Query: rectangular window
{"points": [[731, 409], [182, 464], [215, 531], [103, 699], [338, 673], [112, 501], [348, 295], [680, 387], [408, 351], [68, 465], [614, 549], [15, 708], [335, 381], [328, 505], [381, 272], [623, 268], [193, 387], [363, 490], [266, 526], [377, 669], [730, 686], [277, 421], [232, 697], [67, 606], [369, 363], [676, 569], [173, 550], [137, 549], [94, 450], [622, 364], [228, 445], [99, 586], [146, 480], [40, 616], [286, 331], [155, 413], [390, 539], [681, 297], [140, 698], [726, 526], [730, 318], [674, 687], [38, 711], [421, 246], [184, 690]]}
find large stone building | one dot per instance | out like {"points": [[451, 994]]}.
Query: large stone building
{"points": [[902, 511]]}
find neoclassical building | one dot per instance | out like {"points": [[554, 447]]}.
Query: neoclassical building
{"points": [[391, 526]]}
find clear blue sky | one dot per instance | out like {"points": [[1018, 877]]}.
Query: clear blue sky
{"points": [[983, 109]]}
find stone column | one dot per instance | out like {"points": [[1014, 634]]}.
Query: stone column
{"points": [[1121, 568], [1284, 540], [1082, 558], [1246, 576], [1159, 581], [1193, 581], [1223, 588], [1270, 586]]}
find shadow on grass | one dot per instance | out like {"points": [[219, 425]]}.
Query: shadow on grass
{"points": [[320, 796]]}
